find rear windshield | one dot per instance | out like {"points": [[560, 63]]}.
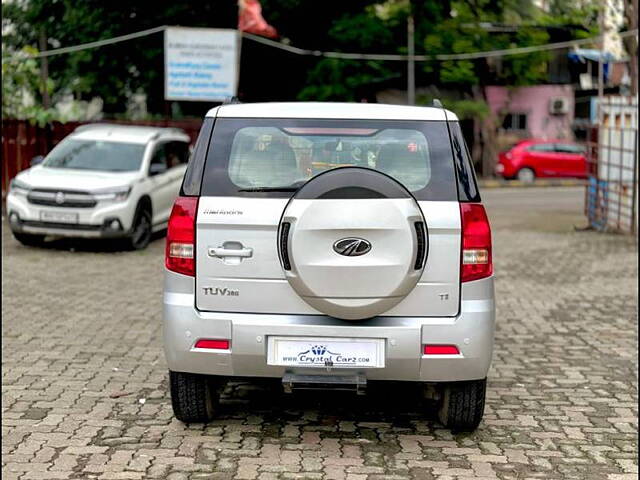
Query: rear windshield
{"points": [[274, 157]]}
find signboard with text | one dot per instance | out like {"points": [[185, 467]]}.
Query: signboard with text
{"points": [[201, 64]]}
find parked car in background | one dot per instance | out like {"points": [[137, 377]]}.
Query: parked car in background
{"points": [[531, 159], [101, 181]]}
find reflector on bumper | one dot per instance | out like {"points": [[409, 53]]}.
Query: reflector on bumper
{"points": [[441, 350]]}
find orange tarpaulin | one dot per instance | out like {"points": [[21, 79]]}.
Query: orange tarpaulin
{"points": [[250, 19]]}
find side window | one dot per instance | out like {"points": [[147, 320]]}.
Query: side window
{"points": [[177, 153], [195, 167], [158, 159], [542, 147], [467, 187], [567, 148]]}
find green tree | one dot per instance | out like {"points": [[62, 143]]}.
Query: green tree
{"points": [[379, 28], [113, 72], [348, 80], [110, 72], [442, 26], [22, 87], [485, 25]]}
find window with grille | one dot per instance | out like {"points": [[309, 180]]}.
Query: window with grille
{"points": [[515, 121]]}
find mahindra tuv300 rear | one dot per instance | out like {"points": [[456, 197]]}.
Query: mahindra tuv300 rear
{"points": [[329, 245]]}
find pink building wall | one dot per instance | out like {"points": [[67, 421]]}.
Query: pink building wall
{"points": [[534, 101]]}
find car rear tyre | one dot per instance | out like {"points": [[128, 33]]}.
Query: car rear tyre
{"points": [[462, 405], [526, 175], [140, 235], [194, 397], [29, 240]]}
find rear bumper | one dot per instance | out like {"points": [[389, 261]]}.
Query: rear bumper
{"points": [[471, 331]]}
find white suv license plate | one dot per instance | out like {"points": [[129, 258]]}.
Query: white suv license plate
{"points": [[323, 352], [58, 217]]}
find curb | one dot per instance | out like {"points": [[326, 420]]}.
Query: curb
{"points": [[535, 184]]}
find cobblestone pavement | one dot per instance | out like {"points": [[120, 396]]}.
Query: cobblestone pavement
{"points": [[84, 383]]}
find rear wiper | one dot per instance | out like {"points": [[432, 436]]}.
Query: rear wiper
{"points": [[269, 189], [285, 188]]}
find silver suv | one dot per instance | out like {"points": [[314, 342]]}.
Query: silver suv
{"points": [[329, 245]]}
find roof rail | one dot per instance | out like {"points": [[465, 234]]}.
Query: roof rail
{"points": [[231, 100], [88, 126], [171, 129], [162, 130]]}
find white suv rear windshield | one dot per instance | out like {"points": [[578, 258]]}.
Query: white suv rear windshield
{"points": [[270, 157]]}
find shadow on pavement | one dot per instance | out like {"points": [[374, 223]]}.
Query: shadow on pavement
{"points": [[91, 245], [397, 403]]}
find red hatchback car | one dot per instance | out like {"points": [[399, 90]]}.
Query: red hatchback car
{"points": [[529, 159]]}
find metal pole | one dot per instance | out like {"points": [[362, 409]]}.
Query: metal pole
{"points": [[634, 184], [600, 57], [44, 71], [600, 117], [411, 63]]}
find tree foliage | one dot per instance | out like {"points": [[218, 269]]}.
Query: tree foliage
{"points": [[468, 30], [110, 72], [115, 72], [378, 28], [22, 87], [450, 27], [337, 79]]}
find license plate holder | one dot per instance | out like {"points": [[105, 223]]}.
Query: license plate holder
{"points": [[326, 352], [58, 217]]}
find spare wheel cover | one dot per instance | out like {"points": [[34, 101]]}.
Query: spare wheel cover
{"points": [[352, 242]]}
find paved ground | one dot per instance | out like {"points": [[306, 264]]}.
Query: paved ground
{"points": [[84, 384]]}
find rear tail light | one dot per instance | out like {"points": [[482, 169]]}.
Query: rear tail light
{"points": [[212, 344], [441, 350], [181, 237], [476, 243]]}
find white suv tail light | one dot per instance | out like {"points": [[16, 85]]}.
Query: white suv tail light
{"points": [[476, 243], [181, 237]]}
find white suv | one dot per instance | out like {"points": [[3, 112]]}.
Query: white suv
{"points": [[101, 181], [329, 245]]}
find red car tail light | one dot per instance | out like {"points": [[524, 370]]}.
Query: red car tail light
{"points": [[181, 237], [476, 243], [212, 344], [441, 350]]}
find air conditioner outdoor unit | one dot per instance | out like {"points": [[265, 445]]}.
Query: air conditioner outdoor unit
{"points": [[559, 105]]}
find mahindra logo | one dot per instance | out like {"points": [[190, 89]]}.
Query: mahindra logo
{"points": [[352, 247]]}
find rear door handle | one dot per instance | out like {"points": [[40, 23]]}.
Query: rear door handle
{"points": [[229, 252]]}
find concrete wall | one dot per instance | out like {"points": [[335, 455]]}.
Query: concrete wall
{"points": [[534, 101]]}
